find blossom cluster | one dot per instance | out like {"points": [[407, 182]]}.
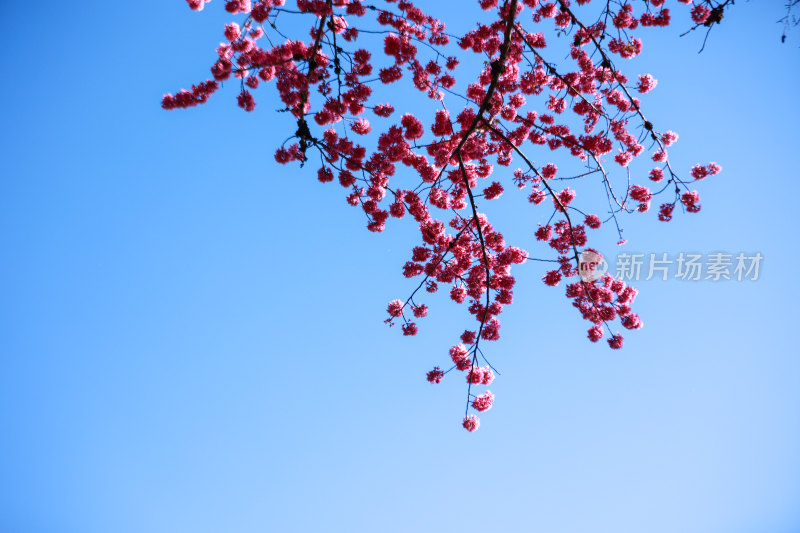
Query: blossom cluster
{"points": [[520, 103]]}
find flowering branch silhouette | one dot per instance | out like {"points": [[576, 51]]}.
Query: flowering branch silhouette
{"points": [[521, 105]]}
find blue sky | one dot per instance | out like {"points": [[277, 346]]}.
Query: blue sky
{"points": [[192, 336]]}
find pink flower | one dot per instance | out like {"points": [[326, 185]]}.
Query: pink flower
{"points": [[646, 83], [413, 126], [623, 158], [631, 321], [339, 24], [482, 375], [196, 5], [565, 196], [232, 32], [595, 333], [383, 110], [397, 209], [442, 127], [627, 295], [285, 155], [483, 402], [669, 138], [616, 341], [460, 356], [549, 171], [657, 174], [593, 221], [377, 226], [390, 75], [700, 172], [361, 126], [352, 199], [458, 294], [246, 101], [435, 375], [395, 308], [661, 18], [238, 6], [421, 311], [665, 212], [548, 10], [690, 199], [623, 18], [495, 190], [700, 13], [544, 233], [468, 337], [346, 178], [626, 49], [537, 197], [563, 19], [471, 423], [552, 278], [640, 194], [491, 330]]}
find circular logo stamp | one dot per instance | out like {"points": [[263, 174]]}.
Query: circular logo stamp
{"points": [[592, 265]]}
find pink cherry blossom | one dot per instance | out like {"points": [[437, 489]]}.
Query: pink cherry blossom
{"points": [[471, 423], [550, 77]]}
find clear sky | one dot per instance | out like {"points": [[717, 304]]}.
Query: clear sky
{"points": [[191, 336]]}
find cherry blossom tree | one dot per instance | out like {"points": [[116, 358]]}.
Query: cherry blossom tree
{"points": [[471, 140]]}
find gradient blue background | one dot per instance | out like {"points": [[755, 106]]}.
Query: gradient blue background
{"points": [[191, 335]]}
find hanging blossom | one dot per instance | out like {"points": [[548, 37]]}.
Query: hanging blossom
{"points": [[526, 103]]}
